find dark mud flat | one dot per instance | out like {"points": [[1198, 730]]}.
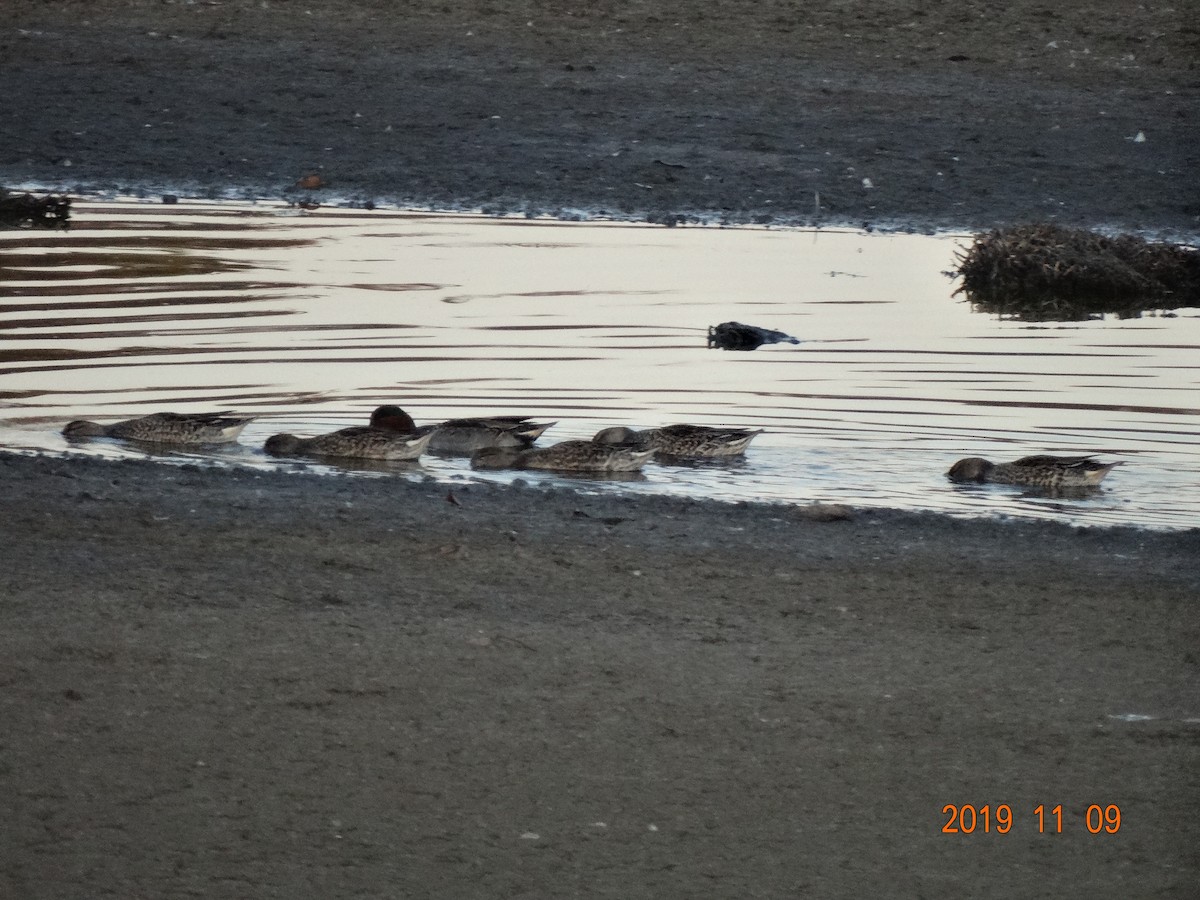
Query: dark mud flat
{"points": [[966, 114], [238, 684]]}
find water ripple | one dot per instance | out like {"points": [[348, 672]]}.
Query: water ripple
{"points": [[312, 319]]}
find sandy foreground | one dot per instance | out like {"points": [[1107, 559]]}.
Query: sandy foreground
{"points": [[246, 684], [236, 684]]}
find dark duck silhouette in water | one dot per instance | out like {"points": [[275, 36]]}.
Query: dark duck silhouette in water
{"points": [[464, 436], [736, 336]]}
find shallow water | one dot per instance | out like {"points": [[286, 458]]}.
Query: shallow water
{"points": [[311, 319]]}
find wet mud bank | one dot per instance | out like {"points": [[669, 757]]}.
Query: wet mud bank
{"points": [[241, 683], [958, 115]]}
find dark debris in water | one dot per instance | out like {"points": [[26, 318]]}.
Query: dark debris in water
{"points": [[736, 336], [28, 211], [1046, 272]]}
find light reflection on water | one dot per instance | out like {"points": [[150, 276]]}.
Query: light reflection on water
{"points": [[313, 319]]}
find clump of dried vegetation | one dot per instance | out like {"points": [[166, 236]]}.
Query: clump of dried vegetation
{"points": [[1042, 272], [28, 211]]}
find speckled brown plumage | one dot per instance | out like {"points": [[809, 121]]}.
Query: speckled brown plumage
{"points": [[1052, 472]]}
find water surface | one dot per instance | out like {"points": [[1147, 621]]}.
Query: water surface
{"points": [[311, 319]]}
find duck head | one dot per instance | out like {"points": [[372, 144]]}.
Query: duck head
{"points": [[393, 418], [973, 468], [618, 434], [82, 428], [282, 444], [495, 458]]}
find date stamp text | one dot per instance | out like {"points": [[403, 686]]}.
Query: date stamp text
{"points": [[999, 819]]}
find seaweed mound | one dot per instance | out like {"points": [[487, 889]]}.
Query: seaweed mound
{"points": [[1041, 272], [28, 211]]}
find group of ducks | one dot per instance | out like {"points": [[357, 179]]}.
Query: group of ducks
{"points": [[492, 442], [506, 442]]}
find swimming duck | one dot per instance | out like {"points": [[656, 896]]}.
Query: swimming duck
{"points": [[356, 442], [567, 456], [1036, 471], [166, 428], [465, 436], [736, 336], [682, 440]]}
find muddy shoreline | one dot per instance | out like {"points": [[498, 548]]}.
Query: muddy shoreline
{"points": [[236, 683], [232, 683], [886, 114]]}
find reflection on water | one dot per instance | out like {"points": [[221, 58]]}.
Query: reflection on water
{"points": [[311, 320]]}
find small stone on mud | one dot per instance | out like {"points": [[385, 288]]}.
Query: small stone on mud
{"points": [[824, 512]]}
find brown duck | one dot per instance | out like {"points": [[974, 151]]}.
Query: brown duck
{"points": [[1035, 471], [465, 436]]}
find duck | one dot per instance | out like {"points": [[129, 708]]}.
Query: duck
{"points": [[682, 441], [462, 437], [166, 428], [736, 336], [1051, 472], [566, 456], [356, 442]]}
